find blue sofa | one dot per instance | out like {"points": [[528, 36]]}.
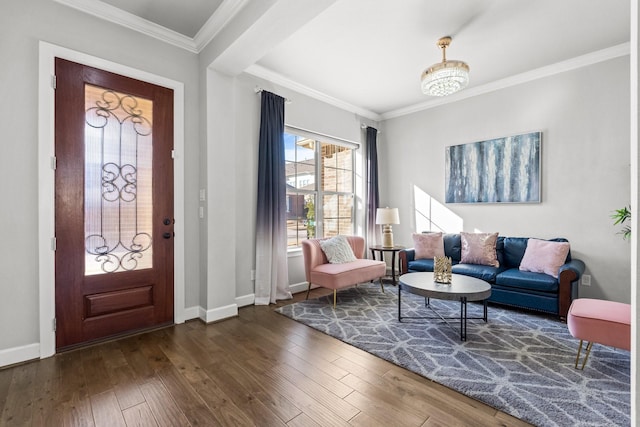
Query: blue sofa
{"points": [[509, 285]]}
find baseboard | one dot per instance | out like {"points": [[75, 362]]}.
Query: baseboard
{"points": [[218, 313], [191, 313], [300, 287], [245, 300], [11, 356]]}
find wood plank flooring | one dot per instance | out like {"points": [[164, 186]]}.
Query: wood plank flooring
{"points": [[259, 368]]}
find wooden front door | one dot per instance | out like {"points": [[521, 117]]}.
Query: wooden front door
{"points": [[113, 204]]}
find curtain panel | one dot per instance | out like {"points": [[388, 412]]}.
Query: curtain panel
{"points": [[373, 196], [272, 277]]}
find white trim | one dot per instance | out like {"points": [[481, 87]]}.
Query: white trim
{"points": [[273, 77], [539, 73], [218, 313], [216, 22], [300, 287], [46, 189], [317, 136], [23, 353], [121, 17], [245, 300], [191, 313], [221, 17]]}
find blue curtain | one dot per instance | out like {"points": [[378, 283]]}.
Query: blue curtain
{"points": [[373, 197], [272, 278]]}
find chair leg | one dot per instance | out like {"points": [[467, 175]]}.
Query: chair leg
{"points": [[586, 356], [308, 290], [578, 355], [381, 285], [335, 297]]}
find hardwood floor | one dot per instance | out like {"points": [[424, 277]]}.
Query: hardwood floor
{"points": [[259, 368]]}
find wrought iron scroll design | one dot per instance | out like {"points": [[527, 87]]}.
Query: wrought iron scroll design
{"points": [[114, 250]]}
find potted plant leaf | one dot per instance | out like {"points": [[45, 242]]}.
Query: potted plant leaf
{"points": [[620, 216]]}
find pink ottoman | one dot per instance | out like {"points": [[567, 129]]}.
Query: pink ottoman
{"points": [[600, 321]]}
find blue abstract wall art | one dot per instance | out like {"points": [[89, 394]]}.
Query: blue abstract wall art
{"points": [[502, 170]]}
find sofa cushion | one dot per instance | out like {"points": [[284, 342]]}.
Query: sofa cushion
{"points": [[337, 250], [515, 247], [336, 276], [479, 248], [420, 265], [484, 272], [452, 246], [515, 278], [428, 245], [542, 256]]}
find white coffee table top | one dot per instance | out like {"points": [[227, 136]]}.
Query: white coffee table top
{"points": [[461, 287]]}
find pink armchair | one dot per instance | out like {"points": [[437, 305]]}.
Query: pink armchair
{"points": [[320, 272]]}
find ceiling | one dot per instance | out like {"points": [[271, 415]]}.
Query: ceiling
{"points": [[367, 55]]}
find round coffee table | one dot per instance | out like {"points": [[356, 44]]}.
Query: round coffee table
{"points": [[462, 288]]}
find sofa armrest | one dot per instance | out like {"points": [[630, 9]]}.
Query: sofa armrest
{"points": [[404, 256], [568, 277]]}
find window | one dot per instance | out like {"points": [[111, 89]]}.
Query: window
{"points": [[320, 188]]}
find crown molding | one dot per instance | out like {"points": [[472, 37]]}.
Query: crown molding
{"points": [[279, 79], [118, 16], [220, 18], [539, 73]]}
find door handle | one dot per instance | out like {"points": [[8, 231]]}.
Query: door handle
{"points": [[166, 235], [168, 221]]}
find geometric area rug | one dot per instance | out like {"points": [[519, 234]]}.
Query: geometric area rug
{"points": [[520, 363]]}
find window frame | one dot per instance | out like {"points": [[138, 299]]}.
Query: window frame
{"points": [[318, 193]]}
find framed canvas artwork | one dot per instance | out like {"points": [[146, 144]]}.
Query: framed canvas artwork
{"points": [[501, 170]]}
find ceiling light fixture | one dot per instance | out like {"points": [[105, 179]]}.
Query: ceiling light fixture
{"points": [[446, 77]]}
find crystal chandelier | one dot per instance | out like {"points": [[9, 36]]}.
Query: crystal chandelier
{"points": [[446, 77]]}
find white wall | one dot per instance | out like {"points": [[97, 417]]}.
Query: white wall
{"points": [[22, 26], [585, 165]]}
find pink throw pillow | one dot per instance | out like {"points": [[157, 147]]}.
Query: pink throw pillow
{"points": [[542, 256], [428, 245], [479, 248]]}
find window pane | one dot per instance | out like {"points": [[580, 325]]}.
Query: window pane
{"points": [[337, 165], [345, 181], [300, 218], [118, 203], [306, 219], [300, 162], [338, 214]]}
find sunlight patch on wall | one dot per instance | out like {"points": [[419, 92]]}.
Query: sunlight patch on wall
{"points": [[432, 215]]}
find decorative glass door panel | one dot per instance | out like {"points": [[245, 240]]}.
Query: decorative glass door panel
{"points": [[118, 199]]}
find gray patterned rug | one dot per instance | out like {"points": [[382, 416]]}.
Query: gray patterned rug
{"points": [[519, 363]]}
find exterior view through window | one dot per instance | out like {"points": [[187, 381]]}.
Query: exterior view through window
{"points": [[320, 189]]}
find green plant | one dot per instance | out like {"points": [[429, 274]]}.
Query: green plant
{"points": [[620, 216], [311, 216]]}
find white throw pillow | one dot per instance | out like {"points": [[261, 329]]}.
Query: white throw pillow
{"points": [[338, 250]]}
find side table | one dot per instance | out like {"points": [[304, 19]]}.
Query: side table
{"points": [[394, 251]]}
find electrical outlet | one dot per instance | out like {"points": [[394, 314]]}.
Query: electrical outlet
{"points": [[253, 275], [202, 195], [586, 280]]}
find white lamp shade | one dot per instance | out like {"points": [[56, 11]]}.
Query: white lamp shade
{"points": [[387, 216]]}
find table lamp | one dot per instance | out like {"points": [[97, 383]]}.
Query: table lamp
{"points": [[386, 217]]}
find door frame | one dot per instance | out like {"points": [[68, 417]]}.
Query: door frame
{"points": [[46, 181]]}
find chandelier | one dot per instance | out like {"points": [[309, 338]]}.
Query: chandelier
{"points": [[446, 77]]}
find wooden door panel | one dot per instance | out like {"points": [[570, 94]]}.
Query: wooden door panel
{"points": [[102, 289]]}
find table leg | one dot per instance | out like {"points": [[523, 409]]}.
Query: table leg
{"points": [[463, 319], [485, 311], [399, 293], [393, 268]]}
